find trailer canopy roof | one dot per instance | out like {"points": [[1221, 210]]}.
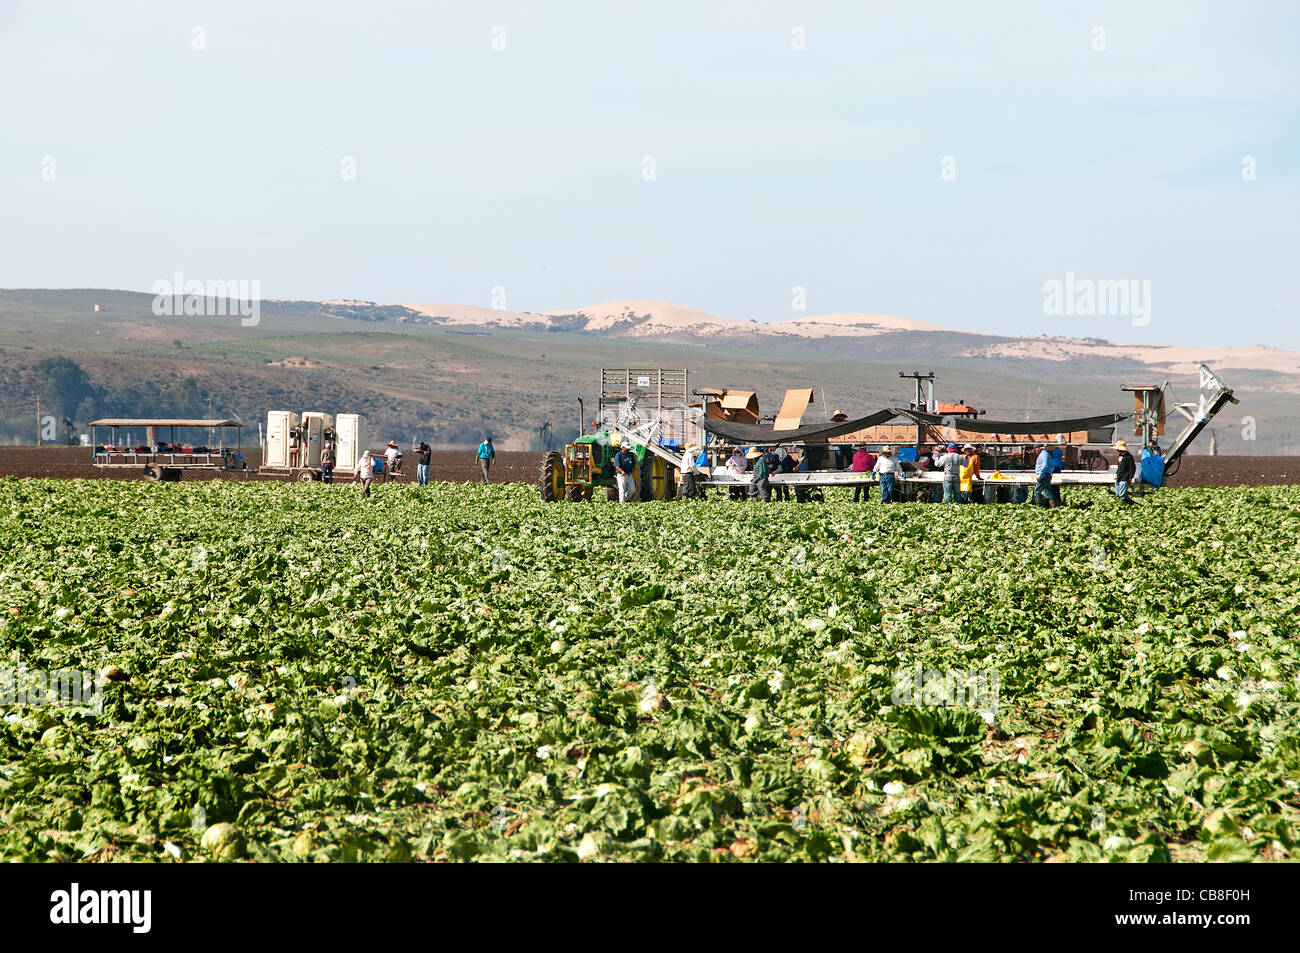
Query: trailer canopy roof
{"points": [[162, 422], [979, 425], [764, 433]]}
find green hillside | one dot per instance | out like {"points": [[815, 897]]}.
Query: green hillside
{"points": [[450, 385]]}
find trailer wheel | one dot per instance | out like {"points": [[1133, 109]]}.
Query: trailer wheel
{"points": [[305, 476], [653, 478], [551, 477], [152, 473], [172, 474]]}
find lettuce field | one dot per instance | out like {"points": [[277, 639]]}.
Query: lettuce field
{"points": [[223, 671]]}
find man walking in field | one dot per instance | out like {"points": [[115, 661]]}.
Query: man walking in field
{"points": [[392, 461], [365, 472], [1125, 470], [625, 464], [486, 454], [423, 453]]}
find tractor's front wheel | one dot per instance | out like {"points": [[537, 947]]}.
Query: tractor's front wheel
{"points": [[575, 493], [551, 477]]}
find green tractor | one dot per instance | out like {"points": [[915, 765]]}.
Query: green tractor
{"points": [[587, 465]]}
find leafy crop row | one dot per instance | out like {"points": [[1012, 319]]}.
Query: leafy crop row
{"points": [[465, 672]]}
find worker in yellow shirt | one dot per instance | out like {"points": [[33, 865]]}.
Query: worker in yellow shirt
{"points": [[969, 472]]}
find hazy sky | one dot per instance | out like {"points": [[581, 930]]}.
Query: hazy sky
{"points": [[126, 154]]}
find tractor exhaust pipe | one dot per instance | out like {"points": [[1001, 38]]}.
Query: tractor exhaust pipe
{"points": [[582, 418]]}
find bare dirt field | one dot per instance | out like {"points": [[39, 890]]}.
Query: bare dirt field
{"points": [[73, 462], [460, 467]]}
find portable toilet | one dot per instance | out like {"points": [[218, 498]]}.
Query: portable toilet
{"points": [[280, 425], [352, 440], [313, 430]]}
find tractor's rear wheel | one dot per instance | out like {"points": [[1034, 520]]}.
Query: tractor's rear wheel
{"points": [[551, 477]]}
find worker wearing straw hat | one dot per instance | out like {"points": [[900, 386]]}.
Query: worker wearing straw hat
{"points": [[689, 469], [392, 460], [760, 488], [886, 470], [970, 471], [1125, 470]]}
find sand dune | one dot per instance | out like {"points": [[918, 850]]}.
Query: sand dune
{"points": [[652, 318], [1181, 359]]}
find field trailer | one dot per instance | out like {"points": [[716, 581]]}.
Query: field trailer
{"points": [[166, 459], [646, 406]]}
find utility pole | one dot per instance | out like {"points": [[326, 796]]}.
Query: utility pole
{"points": [[922, 404]]}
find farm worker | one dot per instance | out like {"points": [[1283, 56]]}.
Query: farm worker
{"points": [[327, 463], [625, 463], [365, 472], [863, 462], [759, 488], [486, 454], [737, 465], [970, 471], [784, 464], [392, 459], [1043, 472], [951, 464], [1125, 469], [690, 465], [886, 467], [423, 454], [802, 493]]}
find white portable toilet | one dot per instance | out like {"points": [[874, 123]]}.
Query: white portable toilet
{"points": [[279, 442], [313, 430], [351, 430]]}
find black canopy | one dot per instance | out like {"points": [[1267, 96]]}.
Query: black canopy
{"points": [[978, 425], [764, 434]]}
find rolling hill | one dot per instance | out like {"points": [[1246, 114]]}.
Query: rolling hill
{"points": [[450, 372]]}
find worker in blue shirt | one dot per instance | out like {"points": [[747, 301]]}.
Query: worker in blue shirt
{"points": [[486, 454], [1044, 466]]}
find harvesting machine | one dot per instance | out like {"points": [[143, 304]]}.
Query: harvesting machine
{"points": [[648, 407]]}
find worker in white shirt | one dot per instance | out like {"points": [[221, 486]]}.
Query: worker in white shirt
{"points": [[392, 460], [365, 472], [886, 468]]}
